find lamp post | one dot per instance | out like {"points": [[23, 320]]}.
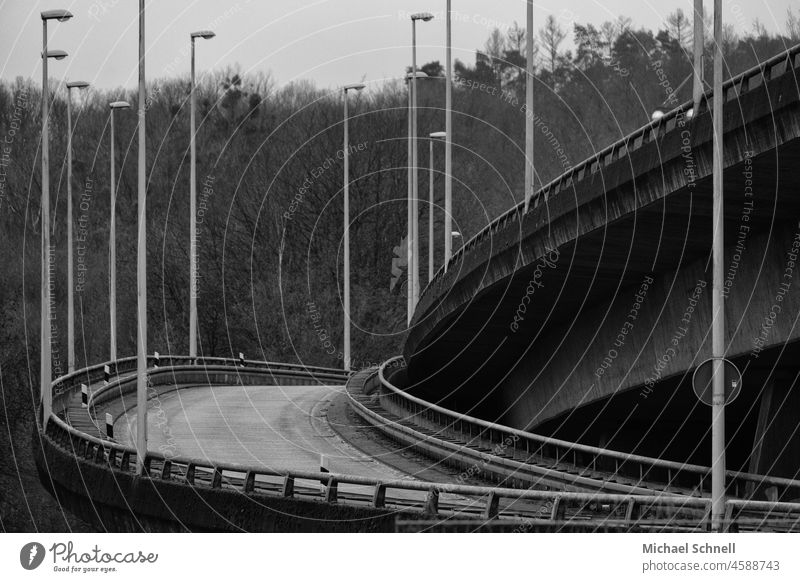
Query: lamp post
{"points": [[141, 265], [410, 223], [70, 291], [206, 34], [717, 297], [699, 46], [425, 17], [434, 136], [529, 107], [345, 89], [45, 364], [448, 147], [112, 237]]}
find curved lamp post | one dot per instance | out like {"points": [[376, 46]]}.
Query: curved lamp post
{"points": [[414, 263], [70, 260], [206, 34], [345, 89], [45, 363]]}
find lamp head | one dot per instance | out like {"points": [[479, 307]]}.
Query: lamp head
{"points": [[455, 234], [60, 15], [57, 55], [119, 105], [438, 135], [419, 75], [202, 34], [658, 113], [353, 87], [77, 84], [424, 16]]}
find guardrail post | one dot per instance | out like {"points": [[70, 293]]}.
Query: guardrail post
{"points": [[99, 454], [288, 486], [146, 466], [112, 456], [632, 510], [490, 511], [216, 480], [190, 470], [249, 482], [379, 496], [125, 462], [109, 426], [331, 491], [85, 395], [558, 510], [729, 521], [166, 470], [432, 503]]}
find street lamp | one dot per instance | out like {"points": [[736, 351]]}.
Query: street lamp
{"points": [[425, 17], [70, 291], [45, 364], [717, 293], [410, 250], [345, 89], [434, 136], [112, 236], [141, 259], [448, 146], [206, 34]]}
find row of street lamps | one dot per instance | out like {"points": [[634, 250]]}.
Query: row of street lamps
{"points": [[413, 211], [46, 309]]}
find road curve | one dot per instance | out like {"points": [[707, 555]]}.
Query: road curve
{"points": [[277, 427]]}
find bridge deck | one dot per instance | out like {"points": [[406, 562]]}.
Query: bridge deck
{"points": [[268, 426]]}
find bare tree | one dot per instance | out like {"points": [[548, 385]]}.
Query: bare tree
{"points": [[793, 25], [552, 35], [679, 28]]}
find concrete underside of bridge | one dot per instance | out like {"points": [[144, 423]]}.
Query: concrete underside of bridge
{"points": [[587, 320]]}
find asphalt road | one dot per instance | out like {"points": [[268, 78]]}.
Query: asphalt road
{"points": [[270, 426]]}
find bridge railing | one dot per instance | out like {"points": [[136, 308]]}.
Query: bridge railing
{"points": [[733, 89], [125, 366], [663, 511], [637, 468]]}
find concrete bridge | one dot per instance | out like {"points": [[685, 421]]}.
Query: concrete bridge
{"points": [[585, 318], [89, 467], [574, 328]]}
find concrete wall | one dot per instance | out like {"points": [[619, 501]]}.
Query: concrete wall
{"points": [[122, 502], [605, 350]]}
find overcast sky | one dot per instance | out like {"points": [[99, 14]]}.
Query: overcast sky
{"points": [[328, 41]]}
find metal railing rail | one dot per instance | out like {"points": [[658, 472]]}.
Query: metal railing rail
{"points": [[483, 501], [733, 89], [92, 374], [636, 467]]}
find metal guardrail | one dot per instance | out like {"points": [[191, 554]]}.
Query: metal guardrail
{"points": [[733, 89], [638, 468], [93, 374], [658, 511]]}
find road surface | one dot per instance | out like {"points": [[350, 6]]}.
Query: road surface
{"points": [[277, 427]]}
